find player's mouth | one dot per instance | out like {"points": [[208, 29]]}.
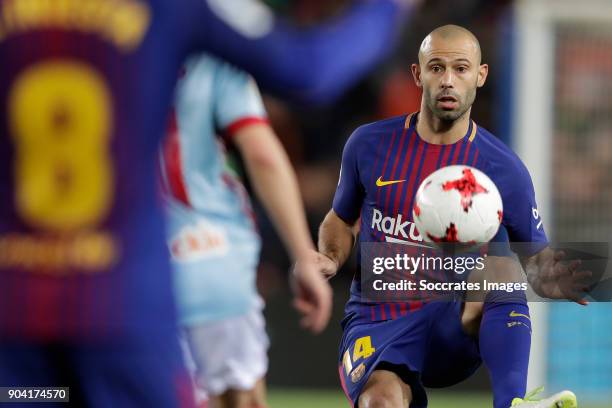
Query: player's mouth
{"points": [[448, 102]]}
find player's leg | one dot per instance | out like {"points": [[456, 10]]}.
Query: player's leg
{"points": [[380, 362], [230, 399], [259, 395], [504, 329], [232, 370], [385, 389], [235, 398], [452, 355]]}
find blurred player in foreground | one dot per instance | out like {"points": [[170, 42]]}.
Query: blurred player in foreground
{"points": [[85, 288], [390, 351], [212, 234]]}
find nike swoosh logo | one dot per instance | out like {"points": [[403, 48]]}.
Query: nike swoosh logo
{"points": [[381, 183], [515, 314]]}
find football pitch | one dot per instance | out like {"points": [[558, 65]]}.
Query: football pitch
{"points": [[325, 398]]}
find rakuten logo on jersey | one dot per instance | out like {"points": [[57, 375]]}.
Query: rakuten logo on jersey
{"points": [[199, 241], [396, 228]]}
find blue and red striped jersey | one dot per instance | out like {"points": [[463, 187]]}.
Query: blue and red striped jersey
{"points": [[383, 164]]}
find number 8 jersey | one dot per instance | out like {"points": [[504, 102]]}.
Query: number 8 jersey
{"points": [[81, 252], [84, 88]]}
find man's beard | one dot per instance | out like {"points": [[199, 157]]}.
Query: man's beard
{"points": [[450, 116]]}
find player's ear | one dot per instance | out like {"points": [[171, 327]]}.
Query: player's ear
{"points": [[483, 72], [416, 74]]}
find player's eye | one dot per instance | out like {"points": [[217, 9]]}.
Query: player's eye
{"points": [[462, 69], [436, 68]]}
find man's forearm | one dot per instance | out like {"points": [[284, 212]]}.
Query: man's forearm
{"points": [[275, 184], [335, 238]]}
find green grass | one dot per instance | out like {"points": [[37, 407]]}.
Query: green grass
{"points": [[324, 398]]}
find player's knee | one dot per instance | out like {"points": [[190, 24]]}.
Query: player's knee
{"points": [[385, 390], [380, 399]]}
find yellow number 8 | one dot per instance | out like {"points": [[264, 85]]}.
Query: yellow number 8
{"points": [[61, 119]]}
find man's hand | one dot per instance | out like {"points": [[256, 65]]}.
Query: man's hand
{"points": [[326, 266], [551, 277], [313, 295]]}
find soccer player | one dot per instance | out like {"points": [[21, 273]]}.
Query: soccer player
{"points": [[391, 350], [211, 233], [85, 290]]}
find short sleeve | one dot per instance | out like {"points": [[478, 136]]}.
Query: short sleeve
{"points": [[349, 193], [521, 218], [237, 100]]}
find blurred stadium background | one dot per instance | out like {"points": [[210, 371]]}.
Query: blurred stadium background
{"points": [[549, 95]]}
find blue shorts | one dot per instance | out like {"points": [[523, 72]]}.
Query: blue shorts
{"points": [[144, 374], [426, 348]]}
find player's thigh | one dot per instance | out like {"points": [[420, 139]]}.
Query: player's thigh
{"points": [[397, 346], [229, 354], [385, 389], [453, 355]]}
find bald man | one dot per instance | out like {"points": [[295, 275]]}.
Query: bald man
{"points": [[399, 338]]}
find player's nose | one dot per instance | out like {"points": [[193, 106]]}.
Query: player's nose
{"points": [[447, 79]]}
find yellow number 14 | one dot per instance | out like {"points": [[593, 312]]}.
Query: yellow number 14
{"points": [[363, 348]]}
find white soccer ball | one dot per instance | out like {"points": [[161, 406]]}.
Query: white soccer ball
{"points": [[457, 204]]}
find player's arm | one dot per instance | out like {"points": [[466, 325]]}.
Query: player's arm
{"points": [[338, 229], [313, 65], [241, 116], [336, 239], [276, 186]]}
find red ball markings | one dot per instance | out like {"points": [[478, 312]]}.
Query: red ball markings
{"points": [[467, 186]]}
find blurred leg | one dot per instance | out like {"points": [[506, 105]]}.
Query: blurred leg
{"points": [[230, 359], [253, 398]]}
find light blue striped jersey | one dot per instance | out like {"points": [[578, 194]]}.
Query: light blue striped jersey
{"points": [[213, 242]]}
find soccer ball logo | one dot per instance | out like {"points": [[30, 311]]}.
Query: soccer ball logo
{"points": [[457, 204]]}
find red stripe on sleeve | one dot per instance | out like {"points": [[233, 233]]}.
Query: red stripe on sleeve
{"points": [[241, 123]]}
